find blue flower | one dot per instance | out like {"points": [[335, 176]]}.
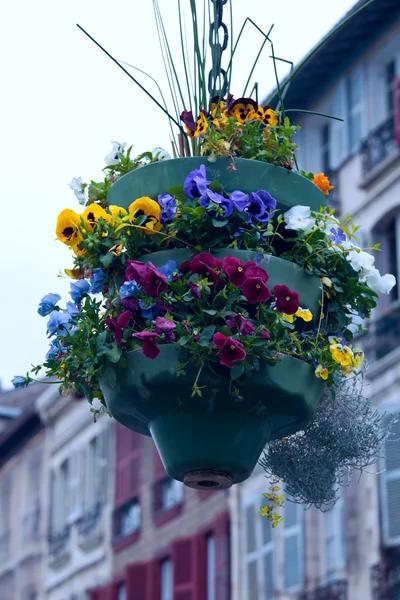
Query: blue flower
{"points": [[210, 199], [337, 235], [97, 281], [195, 184], [20, 382], [239, 232], [47, 304], [169, 268], [128, 289], [240, 200], [55, 348], [78, 288], [168, 208], [56, 321], [72, 309], [148, 310], [261, 205], [258, 258]]}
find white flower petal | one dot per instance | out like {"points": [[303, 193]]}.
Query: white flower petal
{"points": [[162, 154]]}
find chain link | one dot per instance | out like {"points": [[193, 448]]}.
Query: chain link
{"points": [[217, 73]]}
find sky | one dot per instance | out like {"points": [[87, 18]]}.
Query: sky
{"points": [[63, 101]]}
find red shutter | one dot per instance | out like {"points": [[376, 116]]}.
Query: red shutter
{"points": [[154, 579], [109, 592], [396, 104], [137, 582], [201, 564], [129, 448], [95, 594], [222, 575], [184, 569]]}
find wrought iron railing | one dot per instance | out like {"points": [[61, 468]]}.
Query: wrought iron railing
{"points": [[382, 336], [379, 144], [89, 521], [336, 590], [58, 541]]}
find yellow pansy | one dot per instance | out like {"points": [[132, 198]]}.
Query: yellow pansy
{"points": [[304, 314], [347, 370], [270, 117], [341, 354], [67, 228], [357, 358], [117, 211], [92, 215], [117, 249], [73, 273], [77, 251], [288, 318], [321, 372], [147, 207]]}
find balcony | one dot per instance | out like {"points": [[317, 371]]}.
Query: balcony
{"points": [[59, 543], [382, 336], [379, 145], [336, 590]]}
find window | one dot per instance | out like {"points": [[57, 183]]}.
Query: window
{"points": [[325, 145], [355, 108], [334, 542], [390, 73], [293, 547], [211, 572], [128, 519], [259, 576], [390, 482], [388, 235], [168, 493], [166, 580], [121, 593]]}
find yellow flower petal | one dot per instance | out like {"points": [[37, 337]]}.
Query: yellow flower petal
{"points": [[321, 372], [117, 249], [304, 314], [326, 281], [73, 273], [357, 358], [147, 207], [67, 228], [288, 318], [117, 211], [341, 354], [92, 215]]}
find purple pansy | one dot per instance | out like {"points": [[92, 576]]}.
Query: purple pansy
{"points": [[150, 348], [168, 208], [47, 304], [196, 183], [78, 289], [240, 200], [225, 204]]}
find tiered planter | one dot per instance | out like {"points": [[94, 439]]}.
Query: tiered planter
{"points": [[214, 441]]}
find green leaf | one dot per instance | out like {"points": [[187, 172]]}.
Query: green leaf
{"points": [[209, 311], [113, 353], [217, 223], [111, 377], [177, 192], [183, 340], [216, 186], [237, 371], [107, 259], [208, 332]]}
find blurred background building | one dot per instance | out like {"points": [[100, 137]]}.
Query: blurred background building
{"points": [[87, 510]]}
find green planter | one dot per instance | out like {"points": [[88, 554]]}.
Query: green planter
{"points": [[289, 188], [280, 271], [212, 441]]}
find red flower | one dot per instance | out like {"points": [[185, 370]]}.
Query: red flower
{"points": [[205, 264], [150, 348], [257, 272], [230, 349], [264, 335], [246, 327], [286, 301], [150, 280], [119, 325], [165, 326], [135, 270], [236, 270], [255, 290]]}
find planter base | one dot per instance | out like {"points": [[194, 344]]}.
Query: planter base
{"points": [[207, 480]]}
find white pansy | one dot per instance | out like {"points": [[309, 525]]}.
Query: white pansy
{"points": [[299, 218], [76, 184], [112, 158], [360, 260], [381, 284], [162, 154]]}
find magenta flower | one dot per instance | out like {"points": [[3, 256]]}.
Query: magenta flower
{"points": [[150, 348], [255, 290], [236, 270], [246, 327], [119, 325], [264, 335], [194, 290], [205, 264], [150, 279], [230, 350], [257, 272], [166, 327], [130, 303], [232, 321], [286, 301], [135, 270]]}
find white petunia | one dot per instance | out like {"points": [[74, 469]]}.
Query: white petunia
{"points": [[381, 284], [162, 154], [360, 260], [113, 157], [299, 218], [76, 185]]}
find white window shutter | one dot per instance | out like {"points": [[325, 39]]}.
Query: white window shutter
{"points": [[339, 129], [293, 570], [390, 485]]}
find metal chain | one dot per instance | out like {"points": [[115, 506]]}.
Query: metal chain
{"points": [[217, 73]]}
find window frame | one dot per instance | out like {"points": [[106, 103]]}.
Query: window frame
{"points": [[287, 532]]}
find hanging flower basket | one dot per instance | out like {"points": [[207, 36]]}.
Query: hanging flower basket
{"points": [[212, 441]]}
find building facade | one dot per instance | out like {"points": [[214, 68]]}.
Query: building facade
{"points": [[353, 551]]}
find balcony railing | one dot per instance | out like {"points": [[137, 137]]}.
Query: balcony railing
{"points": [[379, 144], [382, 336], [58, 541], [336, 590], [89, 520]]}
